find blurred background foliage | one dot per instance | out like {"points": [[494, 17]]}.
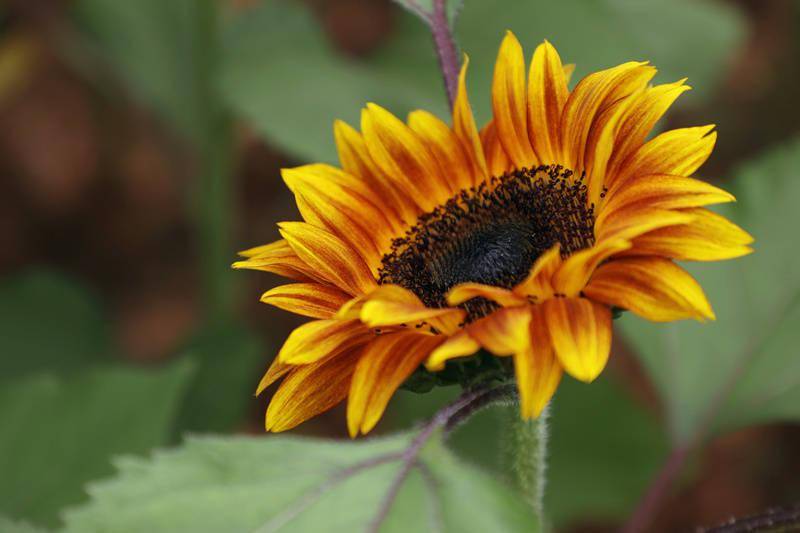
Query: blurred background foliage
{"points": [[140, 147]]}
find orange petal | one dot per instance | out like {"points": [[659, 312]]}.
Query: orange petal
{"points": [[318, 339], [459, 345], [497, 160], [708, 237], [392, 305], [592, 94], [539, 283], [385, 364], [652, 287], [337, 202], [467, 291], [504, 332], [573, 274], [404, 157], [628, 223], [276, 371], [509, 103], [307, 299], [465, 128], [446, 148], [537, 369], [640, 117], [356, 161], [678, 152], [329, 257], [581, 334], [547, 94], [664, 192], [277, 258], [310, 390]]}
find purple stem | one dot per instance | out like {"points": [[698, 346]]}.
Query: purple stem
{"points": [[446, 49]]}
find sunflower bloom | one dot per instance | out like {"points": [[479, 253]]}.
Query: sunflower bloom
{"points": [[436, 244]]}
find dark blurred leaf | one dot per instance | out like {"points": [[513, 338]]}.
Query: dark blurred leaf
{"points": [[603, 450], [58, 433], [294, 484], [228, 366], [160, 49], [743, 368], [282, 75], [50, 323]]}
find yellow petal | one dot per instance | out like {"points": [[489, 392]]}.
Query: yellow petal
{"points": [[329, 257], [277, 369], [310, 390], [592, 94], [573, 274], [385, 364], [467, 291], [539, 282], [445, 147], [504, 332], [277, 258], [678, 152], [401, 155], [581, 334], [497, 160], [708, 237], [628, 223], [640, 117], [318, 339], [331, 199], [664, 192], [547, 94], [356, 161], [307, 299], [537, 369], [652, 287], [459, 345], [509, 103], [465, 128]]}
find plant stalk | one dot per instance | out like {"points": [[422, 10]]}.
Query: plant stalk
{"points": [[528, 458], [446, 49]]}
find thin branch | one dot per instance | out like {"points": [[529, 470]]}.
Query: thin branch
{"points": [[332, 482], [660, 486], [657, 491], [437, 520], [410, 456], [772, 520], [446, 49]]}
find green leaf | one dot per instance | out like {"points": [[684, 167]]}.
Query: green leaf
{"points": [[743, 368], [281, 74], [296, 484], [159, 49], [60, 432], [228, 363], [604, 448], [11, 526], [50, 322]]}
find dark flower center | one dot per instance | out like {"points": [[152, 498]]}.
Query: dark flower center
{"points": [[491, 234]]}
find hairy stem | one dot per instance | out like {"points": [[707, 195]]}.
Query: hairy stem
{"points": [[446, 49], [772, 520], [528, 458]]}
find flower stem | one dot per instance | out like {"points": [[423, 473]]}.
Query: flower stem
{"points": [[446, 49], [529, 459]]}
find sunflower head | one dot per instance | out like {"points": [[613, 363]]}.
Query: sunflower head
{"points": [[440, 253]]}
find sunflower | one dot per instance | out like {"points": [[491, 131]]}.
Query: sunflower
{"points": [[514, 244]]}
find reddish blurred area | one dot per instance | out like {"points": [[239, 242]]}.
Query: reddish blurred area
{"points": [[94, 185]]}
